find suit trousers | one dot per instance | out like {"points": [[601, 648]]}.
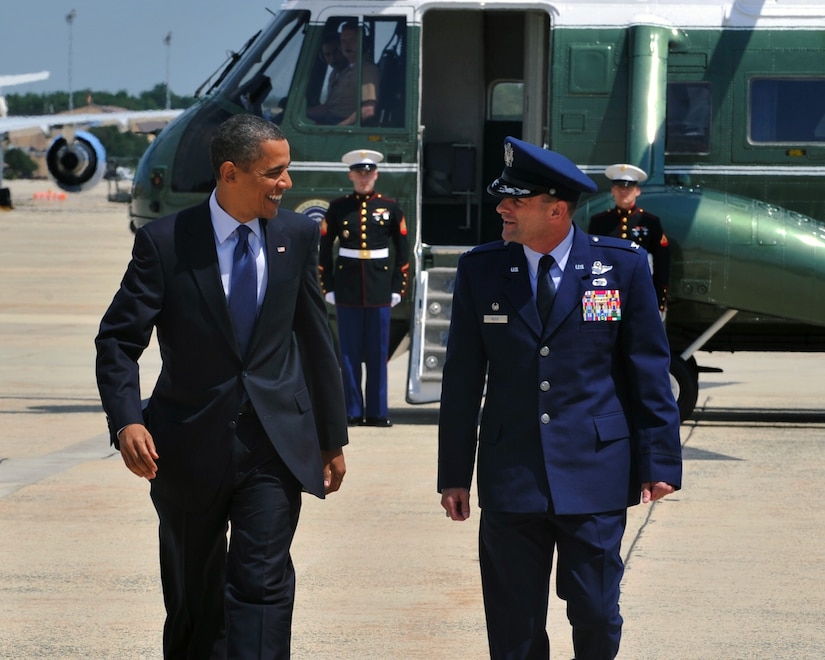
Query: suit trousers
{"points": [[364, 337], [233, 602], [516, 557]]}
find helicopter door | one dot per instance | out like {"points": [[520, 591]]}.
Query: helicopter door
{"points": [[484, 77]]}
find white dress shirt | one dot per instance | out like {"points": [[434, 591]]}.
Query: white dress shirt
{"points": [[560, 254], [226, 238]]}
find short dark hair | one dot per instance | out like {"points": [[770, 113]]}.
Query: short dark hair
{"points": [[331, 38], [239, 141]]}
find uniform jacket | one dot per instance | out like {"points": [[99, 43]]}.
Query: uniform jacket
{"points": [[173, 285], [364, 222], [581, 413], [645, 229]]}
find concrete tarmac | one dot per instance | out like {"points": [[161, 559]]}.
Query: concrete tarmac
{"points": [[729, 567]]}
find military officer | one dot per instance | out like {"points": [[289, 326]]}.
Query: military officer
{"points": [[364, 282], [627, 220], [558, 333]]}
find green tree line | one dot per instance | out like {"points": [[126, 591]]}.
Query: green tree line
{"points": [[54, 102]]}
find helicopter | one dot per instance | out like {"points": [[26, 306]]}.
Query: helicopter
{"points": [[722, 104]]}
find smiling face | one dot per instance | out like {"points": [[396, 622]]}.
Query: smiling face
{"points": [[540, 222], [256, 191]]}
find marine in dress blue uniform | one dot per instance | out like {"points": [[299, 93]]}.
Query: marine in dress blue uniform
{"points": [[628, 220], [364, 282], [578, 422]]}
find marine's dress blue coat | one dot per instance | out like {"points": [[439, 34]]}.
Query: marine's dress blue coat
{"points": [[581, 413]]}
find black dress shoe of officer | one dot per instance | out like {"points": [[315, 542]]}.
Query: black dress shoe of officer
{"points": [[354, 421], [383, 422]]}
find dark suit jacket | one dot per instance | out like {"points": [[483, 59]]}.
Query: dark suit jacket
{"points": [[290, 372], [581, 412]]}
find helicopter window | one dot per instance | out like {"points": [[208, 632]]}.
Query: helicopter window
{"points": [[359, 76], [263, 86], [688, 118], [507, 101], [787, 110]]}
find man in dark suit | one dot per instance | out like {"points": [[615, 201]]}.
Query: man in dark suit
{"points": [[248, 409], [579, 421], [629, 220]]}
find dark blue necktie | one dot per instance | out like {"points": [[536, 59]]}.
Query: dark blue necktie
{"points": [[243, 289], [545, 289]]}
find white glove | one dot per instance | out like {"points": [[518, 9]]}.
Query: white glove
{"points": [[330, 297], [395, 299]]}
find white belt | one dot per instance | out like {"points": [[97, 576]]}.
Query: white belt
{"points": [[380, 253]]}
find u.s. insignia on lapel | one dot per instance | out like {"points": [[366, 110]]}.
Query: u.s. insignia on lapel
{"points": [[602, 305]]}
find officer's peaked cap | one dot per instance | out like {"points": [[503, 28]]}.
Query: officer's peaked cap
{"points": [[362, 159], [530, 170], [622, 174]]}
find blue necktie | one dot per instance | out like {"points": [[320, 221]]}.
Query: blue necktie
{"points": [[545, 289], [243, 291]]}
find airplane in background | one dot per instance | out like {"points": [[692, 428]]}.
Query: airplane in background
{"points": [[76, 159], [17, 79]]}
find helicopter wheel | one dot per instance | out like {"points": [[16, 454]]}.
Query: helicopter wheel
{"points": [[684, 381]]}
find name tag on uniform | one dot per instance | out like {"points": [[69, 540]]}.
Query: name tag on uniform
{"points": [[602, 305], [495, 318]]}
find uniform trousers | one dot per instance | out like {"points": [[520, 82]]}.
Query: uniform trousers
{"points": [[516, 556], [364, 337], [235, 602]]}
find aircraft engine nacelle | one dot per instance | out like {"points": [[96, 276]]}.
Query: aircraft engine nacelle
{"points": [[76, 162]]}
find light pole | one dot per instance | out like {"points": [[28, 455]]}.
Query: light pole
{"points": [[70, 20], [168, 42]]}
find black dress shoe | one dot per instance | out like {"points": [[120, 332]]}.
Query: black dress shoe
{"points": [[354, 421], [378, 421]]}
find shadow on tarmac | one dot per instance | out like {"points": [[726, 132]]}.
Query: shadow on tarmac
{"points": [[414, 415], [760, 416]]}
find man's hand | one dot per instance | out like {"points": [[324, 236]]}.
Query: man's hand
{"points": [[334, 469], [138, 450], [330, 297], [655, 490], [395, 298], [456, 502]]}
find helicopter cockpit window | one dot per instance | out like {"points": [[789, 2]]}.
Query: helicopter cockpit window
{"points": [[263, 86], [688, 118], [360, 74], [258, 79], [787, 110]]}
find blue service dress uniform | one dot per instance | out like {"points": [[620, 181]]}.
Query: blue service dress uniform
{"points": [[642, 228], [363, 276], [577, 416]]}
